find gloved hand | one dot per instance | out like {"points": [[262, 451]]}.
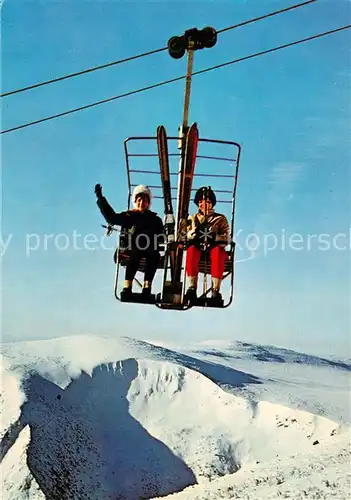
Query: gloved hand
{"points": [[98, 190], [202, 231], [203, 234]]}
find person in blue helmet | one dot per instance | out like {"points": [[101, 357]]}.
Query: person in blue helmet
{"points": [[144, 230]]}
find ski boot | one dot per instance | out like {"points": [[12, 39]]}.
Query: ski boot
{"points": [[216, 298], [127, 292], [190, 297]]}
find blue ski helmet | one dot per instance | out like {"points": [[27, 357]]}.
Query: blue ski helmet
{"points": [[205, 192]]}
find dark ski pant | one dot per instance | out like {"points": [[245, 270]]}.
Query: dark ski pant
{"points": [[152, 259]]}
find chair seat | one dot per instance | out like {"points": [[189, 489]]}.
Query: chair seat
{"points": [[204, 266], [125, 256]]}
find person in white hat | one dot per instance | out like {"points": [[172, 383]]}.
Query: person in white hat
{"points": [[144, 230]]}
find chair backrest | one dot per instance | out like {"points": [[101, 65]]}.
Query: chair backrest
{"points": [[224, 156]]}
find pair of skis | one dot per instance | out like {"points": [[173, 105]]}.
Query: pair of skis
{"points": [[189, 151]]}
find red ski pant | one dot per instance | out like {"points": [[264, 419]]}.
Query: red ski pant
{"points": [[218, 257]]}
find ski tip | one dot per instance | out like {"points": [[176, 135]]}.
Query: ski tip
{"points": [[193, 129]]}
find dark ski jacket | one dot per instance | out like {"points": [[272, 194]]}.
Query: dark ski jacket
{"points": [[141, 230]]}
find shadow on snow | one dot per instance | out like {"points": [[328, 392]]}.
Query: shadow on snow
{"points": [[85, 443]]}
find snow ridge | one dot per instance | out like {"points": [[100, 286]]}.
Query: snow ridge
{"points": [[132, 420]]}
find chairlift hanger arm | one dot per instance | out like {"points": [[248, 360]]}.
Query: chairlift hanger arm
{"points": [[172, 295]]}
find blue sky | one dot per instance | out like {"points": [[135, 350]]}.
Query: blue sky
{"points": [[290, 111]]}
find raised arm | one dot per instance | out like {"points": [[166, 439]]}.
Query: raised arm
{"points": [[118, 219]]}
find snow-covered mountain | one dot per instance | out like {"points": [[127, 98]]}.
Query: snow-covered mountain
{"points": [[101, 418]]}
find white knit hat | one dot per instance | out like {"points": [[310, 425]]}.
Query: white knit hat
{"points": [[141, 189]]}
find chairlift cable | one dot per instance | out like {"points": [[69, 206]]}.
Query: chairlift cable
{"points": [[166, 82], [151, 52]]}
